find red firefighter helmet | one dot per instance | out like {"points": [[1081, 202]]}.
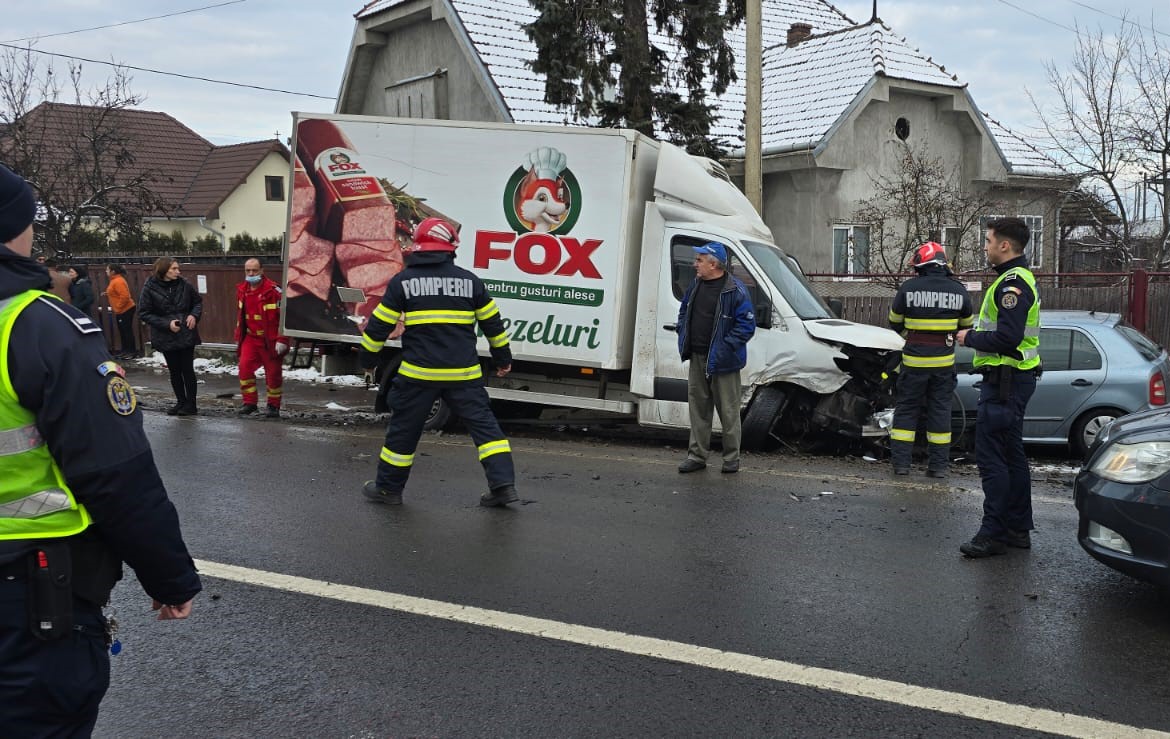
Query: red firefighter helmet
{"points": [[435, 234], [929, 253]]}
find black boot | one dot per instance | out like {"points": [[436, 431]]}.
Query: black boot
{"points": [[187, 409], [174, 409]]}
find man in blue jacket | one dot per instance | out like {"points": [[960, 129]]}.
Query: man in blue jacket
{"points": [[715, 322]]}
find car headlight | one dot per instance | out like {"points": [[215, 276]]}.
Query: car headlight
{"points": [[1132, 463]]}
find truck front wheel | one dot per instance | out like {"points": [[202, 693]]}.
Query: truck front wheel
{"points": [[761, 415]]}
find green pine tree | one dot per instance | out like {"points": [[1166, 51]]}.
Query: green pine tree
{"points": [[598, 60]]}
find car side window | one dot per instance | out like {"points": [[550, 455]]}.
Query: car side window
{"points": [[682, 269], [1055, 348], [1084, 355]]}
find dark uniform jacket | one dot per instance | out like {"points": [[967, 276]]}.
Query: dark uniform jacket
{"points": [[163, 301], [432, 282], [55, 359], [927, 310]]}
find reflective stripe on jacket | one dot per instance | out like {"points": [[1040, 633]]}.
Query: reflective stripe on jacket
{"points": [[35, 502]]}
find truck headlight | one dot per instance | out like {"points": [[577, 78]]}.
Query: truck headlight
{"points": [[1133, 463]]}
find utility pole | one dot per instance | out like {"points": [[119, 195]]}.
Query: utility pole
{"points": [[752, 162]]}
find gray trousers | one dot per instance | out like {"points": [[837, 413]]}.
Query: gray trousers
{"points": [[705, 395]]}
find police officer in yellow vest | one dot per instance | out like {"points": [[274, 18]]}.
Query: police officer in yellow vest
{"points": [[1006, 340], [79, 495]]}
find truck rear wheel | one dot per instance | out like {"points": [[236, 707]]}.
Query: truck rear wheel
{"points": [[761, 416]]}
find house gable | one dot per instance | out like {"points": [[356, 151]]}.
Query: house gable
{"points": [[413, 59]]}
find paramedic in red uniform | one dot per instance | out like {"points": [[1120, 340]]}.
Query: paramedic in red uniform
{"points": [[258, 339]]}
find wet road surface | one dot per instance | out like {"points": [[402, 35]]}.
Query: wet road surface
{"points": [[797, 562]]}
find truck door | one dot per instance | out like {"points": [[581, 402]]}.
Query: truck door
{"points": [[668, 407]]}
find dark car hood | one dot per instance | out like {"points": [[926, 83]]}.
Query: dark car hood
{"points": [[1155, 421]]}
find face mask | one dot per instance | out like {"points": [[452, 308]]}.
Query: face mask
{"points": [[253, 279]]}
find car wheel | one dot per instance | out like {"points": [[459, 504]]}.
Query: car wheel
{"points": [[1088, 426], [439, 416], [756, 429]]}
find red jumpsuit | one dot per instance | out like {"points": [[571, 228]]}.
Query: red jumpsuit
{"points": [[257, 334]]}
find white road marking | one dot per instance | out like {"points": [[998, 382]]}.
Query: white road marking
{"points": [[888, 691]]}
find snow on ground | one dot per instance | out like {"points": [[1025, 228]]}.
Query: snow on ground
{"points": [[219, 367]]}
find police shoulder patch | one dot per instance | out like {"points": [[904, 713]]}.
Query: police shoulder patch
{"points": [[1010, 276], [80, 321], [1014, 289], [107, 368], [121, 395], [1009, 300]]}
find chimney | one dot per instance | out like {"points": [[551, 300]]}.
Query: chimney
{"points": [[798, 32]]}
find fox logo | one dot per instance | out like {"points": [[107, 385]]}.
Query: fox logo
{"points": [[543, 193]]}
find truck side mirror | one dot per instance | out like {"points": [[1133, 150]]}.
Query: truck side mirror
{"points": [[837, 306]]}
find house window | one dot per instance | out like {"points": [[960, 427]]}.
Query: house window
{"points": [[1035, 248], [851, 250], [274, 187], [952, 239], [1035, 224]]}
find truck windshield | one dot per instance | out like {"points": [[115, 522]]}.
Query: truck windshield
{"points": [[784, 273]]}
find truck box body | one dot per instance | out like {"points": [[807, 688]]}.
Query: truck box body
{"points": [[565, 289]]}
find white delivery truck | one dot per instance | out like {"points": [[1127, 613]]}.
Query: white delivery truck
{"points": [[584, 237]]}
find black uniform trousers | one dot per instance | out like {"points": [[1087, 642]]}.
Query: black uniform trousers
{"points": [[999, 454], [49, 688], [410, 402], [924, 391]]}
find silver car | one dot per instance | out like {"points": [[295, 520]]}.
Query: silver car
{"points": [[1096, 368]]}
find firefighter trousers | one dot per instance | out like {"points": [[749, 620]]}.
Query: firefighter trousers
{"points": [[410, 403], [254, 354], [929, 393]]}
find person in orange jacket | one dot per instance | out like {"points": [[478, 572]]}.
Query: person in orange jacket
{"points": [[258, 339], [118, 293]]}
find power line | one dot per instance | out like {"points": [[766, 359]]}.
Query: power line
{"points": [[1038, 17], [1115, 17], [168, 74], [124, 23]]}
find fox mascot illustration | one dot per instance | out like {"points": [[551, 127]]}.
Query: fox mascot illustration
{"points": [[541, 197]]}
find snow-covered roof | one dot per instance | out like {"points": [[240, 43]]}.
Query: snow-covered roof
{"points": [[1023, 156], [809, 87], [806, 88]]}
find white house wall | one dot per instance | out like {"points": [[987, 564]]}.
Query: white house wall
{"points": [[248, 210]]}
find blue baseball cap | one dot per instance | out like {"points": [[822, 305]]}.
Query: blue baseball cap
{"points": [[713, 249]]}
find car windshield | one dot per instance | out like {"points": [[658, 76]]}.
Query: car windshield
{"points": [[1146, 346], [783, 271]]}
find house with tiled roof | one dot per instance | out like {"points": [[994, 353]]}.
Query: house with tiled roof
{"points": [[842, 101], [199, 188]]}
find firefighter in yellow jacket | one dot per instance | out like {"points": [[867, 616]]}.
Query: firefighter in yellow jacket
{"points": [[927, 311], [440, 304]]}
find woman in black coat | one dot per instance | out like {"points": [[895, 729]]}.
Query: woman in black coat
{"points": [[171, 306], [81, 290]]}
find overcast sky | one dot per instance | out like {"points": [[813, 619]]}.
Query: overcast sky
{"points": [[301, 46]]}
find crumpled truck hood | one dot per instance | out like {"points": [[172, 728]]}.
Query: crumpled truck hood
{"points": [[812, 364]]}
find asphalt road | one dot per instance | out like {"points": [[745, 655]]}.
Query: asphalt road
{"points": [[805, 596]]}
